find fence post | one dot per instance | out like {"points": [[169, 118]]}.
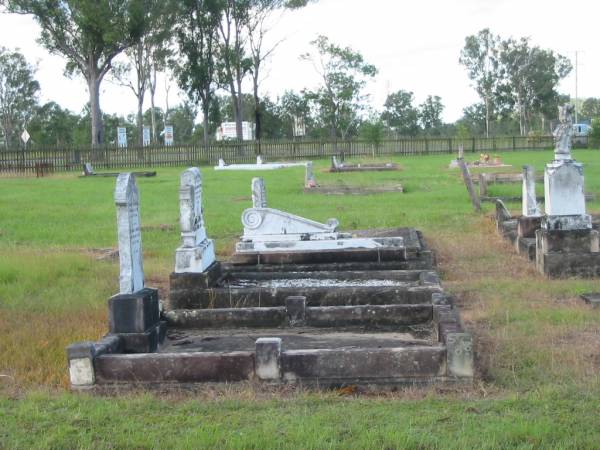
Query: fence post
{"points": [[514, 143]]}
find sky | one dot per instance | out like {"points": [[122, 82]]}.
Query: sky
{"points": [[414, 44]]}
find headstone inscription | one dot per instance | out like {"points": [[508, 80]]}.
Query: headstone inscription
{"points": [[127, 200], [197, 252]]}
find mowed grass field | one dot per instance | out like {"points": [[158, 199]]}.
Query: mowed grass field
{"points": [[537, 343]]}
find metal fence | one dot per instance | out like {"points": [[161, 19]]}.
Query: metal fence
{"points": [[36, 160]]}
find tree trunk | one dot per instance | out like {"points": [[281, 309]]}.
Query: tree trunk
{"points": [[238, 112], [257, 108], [152, 112], [205, 109], [140, 119], [95, 111], [487, 117]]}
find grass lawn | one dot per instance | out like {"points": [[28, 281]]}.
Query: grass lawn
{"points": [[537, 344]]}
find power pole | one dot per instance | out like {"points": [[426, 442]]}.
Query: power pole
{"points": [[576, 85]]}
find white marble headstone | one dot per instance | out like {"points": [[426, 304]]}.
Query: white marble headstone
{"points": [[564, 183], [197, 252], [530, 206], [127, 200], [259, 160], [190, 205], [259, 193]]}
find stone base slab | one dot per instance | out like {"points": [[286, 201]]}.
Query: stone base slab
{"points": [[565, 265], [592, 299], [195, 259], [567, 223]]}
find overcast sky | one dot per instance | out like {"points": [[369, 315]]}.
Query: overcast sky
{"points": [[415, 45]]}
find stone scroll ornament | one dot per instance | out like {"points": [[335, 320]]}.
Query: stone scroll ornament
{"points": [[127, 200], [196, 252]]}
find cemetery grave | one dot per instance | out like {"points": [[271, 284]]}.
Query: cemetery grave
{"points": [[88, 171], [342, 187], [337, 166], [535, 340], [299, 302], [484, 161], [260, 165], [563, 241]]}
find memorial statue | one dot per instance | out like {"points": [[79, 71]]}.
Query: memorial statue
{"points": [[563, 133]]}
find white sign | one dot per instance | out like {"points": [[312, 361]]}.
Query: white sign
{"points": [[146, 136], [228, 130], [169, 135], [122, 137], [25, 136], [299, 128]]}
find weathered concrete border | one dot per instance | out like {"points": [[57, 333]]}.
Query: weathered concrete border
{"points": [[329, 316]]}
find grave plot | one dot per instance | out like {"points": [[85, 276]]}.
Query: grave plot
{"points": [[337, 166], [564, 240], [341, 188], [260, 165], [300, 302], [484, 161], [88, 171]]}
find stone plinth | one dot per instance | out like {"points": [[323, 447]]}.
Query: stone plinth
{"points": [[564, 253], [135, 318]]}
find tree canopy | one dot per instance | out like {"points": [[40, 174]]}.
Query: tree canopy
{"points": [[18, 94]]}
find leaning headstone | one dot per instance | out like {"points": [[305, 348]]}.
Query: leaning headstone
{"points": [[127, 200], [197, 252], [259, 193], [564, 183], [530, 205], [221, 162]]}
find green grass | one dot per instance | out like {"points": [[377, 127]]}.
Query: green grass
{"points": [[543, 419], [538, 345]]}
